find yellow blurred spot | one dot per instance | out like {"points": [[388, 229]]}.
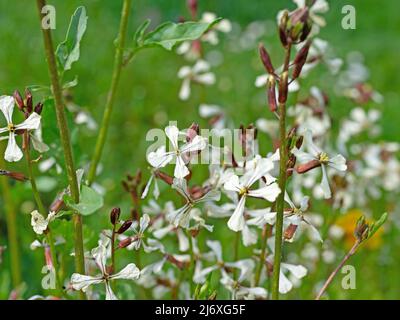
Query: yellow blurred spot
{"points": [[347, 223]]}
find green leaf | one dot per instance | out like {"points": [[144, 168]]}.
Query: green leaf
{"points": [[168, 34], [68, 51], [90, 201], [377, 224], [139, 34]]}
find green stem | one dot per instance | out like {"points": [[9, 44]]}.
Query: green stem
{"points": [[42, 211], [333, 274], [236, 252], [118, 64], [65, 141], [282, 186], [9, 208], [263, 254]]}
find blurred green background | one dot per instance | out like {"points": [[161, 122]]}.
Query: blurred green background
{"points": [[148, 98]]}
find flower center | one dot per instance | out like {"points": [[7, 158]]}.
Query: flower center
{"points": [[323, 157], [243, 191], [11, 127]]}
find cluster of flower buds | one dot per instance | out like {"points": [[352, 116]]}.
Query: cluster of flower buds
{"points": [[26, 104], [294, 27]]}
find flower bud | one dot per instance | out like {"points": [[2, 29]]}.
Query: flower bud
{"points": [[193, 131], [303, 168], [164, 177], [38, 108], [362, 229], [294, 28], [271, 94], [192, 4], [19, 101], [290, 231], [13, 175], [114, 215], [28, 101], [124, 243], [300, 60], [282, 28], [283, 87], [125, 226], [266, 60]]}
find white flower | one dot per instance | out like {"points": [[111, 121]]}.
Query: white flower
{"points": [[245, 266], [40, 223], [297, 271], [296, 218], [13, 152], [314, 153], [199, 73], [239, 291], [161, 157], [242, 187], [82, 282], [182, 216], [360, 120]]}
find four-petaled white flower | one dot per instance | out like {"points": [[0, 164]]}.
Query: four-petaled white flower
{"points": [[314, 153], [182, 216], [82, 282], [13, 152], [199, 73], [242, 187], [160, 158], [295, 218]]}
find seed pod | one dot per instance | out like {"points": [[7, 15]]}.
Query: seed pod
{"points": [[19, 100], [271, 94], [283, 87], [125, 226], [266, 60], [114, 215], [303, 168]]}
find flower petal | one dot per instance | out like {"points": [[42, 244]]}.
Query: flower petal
{"points": [[7, 107], [82, 282], [32, 123], [13, 152], [269, 193], [236, 221], [130, 272]]}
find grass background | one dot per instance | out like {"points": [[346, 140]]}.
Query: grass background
{"points": [[148, 97]]}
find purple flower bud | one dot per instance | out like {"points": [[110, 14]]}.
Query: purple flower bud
{"points": [[28, 101], [19, 101], [125, 226], [114, 215], [38, 108], [283, 87], [271, 94], [266, 60]]}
